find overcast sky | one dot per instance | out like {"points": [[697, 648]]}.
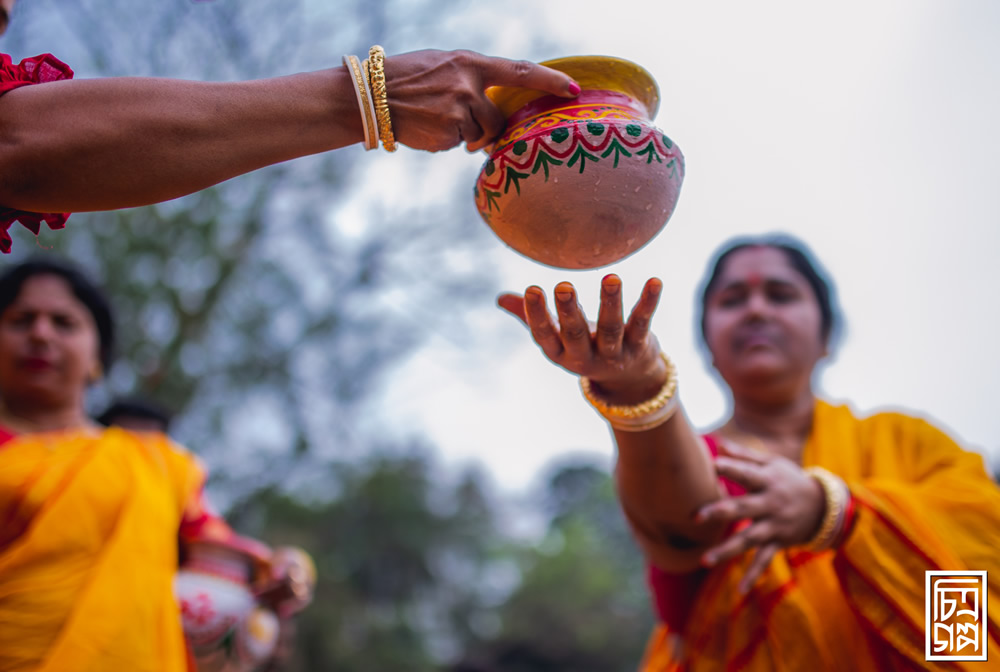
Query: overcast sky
{"points": [[869, 130]]}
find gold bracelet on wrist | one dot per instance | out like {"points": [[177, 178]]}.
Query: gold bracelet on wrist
{"points": [[835, 493], [368, 122], [642, 416], [371, 101], [376, 71]]}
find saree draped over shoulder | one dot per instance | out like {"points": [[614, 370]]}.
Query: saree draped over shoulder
{"points": [[88, 551], [922, 503]]}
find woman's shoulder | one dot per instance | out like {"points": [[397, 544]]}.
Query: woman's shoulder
{"points": [[908, 440], [154, 442], [891, 419]]}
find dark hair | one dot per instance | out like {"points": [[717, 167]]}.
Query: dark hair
{"points": [[799, 258], [83, 289], [135, 407]]}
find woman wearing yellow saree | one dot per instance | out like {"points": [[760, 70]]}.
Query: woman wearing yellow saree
{"points": [[89, 517], [796, 535]]}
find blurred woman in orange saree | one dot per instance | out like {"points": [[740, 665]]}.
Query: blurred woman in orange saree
{"points": [[90, 516], [795, 536]]}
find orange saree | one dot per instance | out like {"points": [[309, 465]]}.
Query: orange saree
{"points": [[88, 551], [922, 503]]}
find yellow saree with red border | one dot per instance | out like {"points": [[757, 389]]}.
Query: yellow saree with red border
{"points": [[88, 551], [922, 503]]}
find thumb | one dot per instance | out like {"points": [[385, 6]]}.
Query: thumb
{"points": [[505, 72], [513, 304]]}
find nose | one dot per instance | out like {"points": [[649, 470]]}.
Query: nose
{"points": [[42, 330], [757, 304]]}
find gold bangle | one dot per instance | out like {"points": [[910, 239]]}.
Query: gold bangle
{"points": [[835, 493], [376, 70], [640, 416], [371, 102], [361, 91], [641, 424]]}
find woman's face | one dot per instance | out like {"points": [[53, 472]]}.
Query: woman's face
{"points": [[763, 321], [48, 344], [6, 6]]}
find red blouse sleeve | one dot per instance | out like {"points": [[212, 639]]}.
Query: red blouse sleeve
{"points": [[674, 594], [36, 70]]}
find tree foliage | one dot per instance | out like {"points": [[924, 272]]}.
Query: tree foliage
{"points": [[267, 309], [261, 310], [419, 574]]}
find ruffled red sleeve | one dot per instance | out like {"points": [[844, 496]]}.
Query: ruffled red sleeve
{"points": [[36, 70]]}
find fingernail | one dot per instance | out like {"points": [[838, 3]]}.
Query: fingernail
{"points": [[532, 297], [574, 88], [612, 286], [564, 296]]}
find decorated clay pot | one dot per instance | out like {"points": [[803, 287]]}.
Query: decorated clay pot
{"points": [[226, 630], [581, 182]]}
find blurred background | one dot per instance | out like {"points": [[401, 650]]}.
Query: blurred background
{"points": [[326, 328]]}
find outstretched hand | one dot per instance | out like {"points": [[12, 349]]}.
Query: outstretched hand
{"points": [[783, 503], [622, 358], [438, 100]]}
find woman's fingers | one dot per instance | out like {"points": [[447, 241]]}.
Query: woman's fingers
{"points": [[469, 129], [573, 326], [748, 474], [744, 453], [543, 330], [731, 509], [610, 324], [438, 98], [755, 534], [513, 304], [637, 328], [490, 120], [761, 559], [505, 72]]}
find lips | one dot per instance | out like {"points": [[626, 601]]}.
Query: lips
{"points": [[37, 364], [755, 338]]}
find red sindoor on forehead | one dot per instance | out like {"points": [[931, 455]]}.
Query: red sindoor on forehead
{"points": [[755, 279]]}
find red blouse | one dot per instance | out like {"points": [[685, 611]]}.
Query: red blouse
{"points": [[37, 70]]}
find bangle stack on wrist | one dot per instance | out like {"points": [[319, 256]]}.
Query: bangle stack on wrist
{"points": [[369, 86], [839, 510], [638, 417]]}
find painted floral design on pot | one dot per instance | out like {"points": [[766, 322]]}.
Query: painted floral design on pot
{"points": [[226, 630], [583, 182]]}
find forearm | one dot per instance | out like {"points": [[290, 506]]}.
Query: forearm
{"points": [[664, 476], [121, 142]]}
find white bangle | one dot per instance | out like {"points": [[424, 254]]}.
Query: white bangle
{"points": [[641, 424], [363, 93]]}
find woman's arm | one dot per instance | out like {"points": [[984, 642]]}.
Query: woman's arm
{"points": [[120, 142], [664, 476], [111, 143], [665, 473]]}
